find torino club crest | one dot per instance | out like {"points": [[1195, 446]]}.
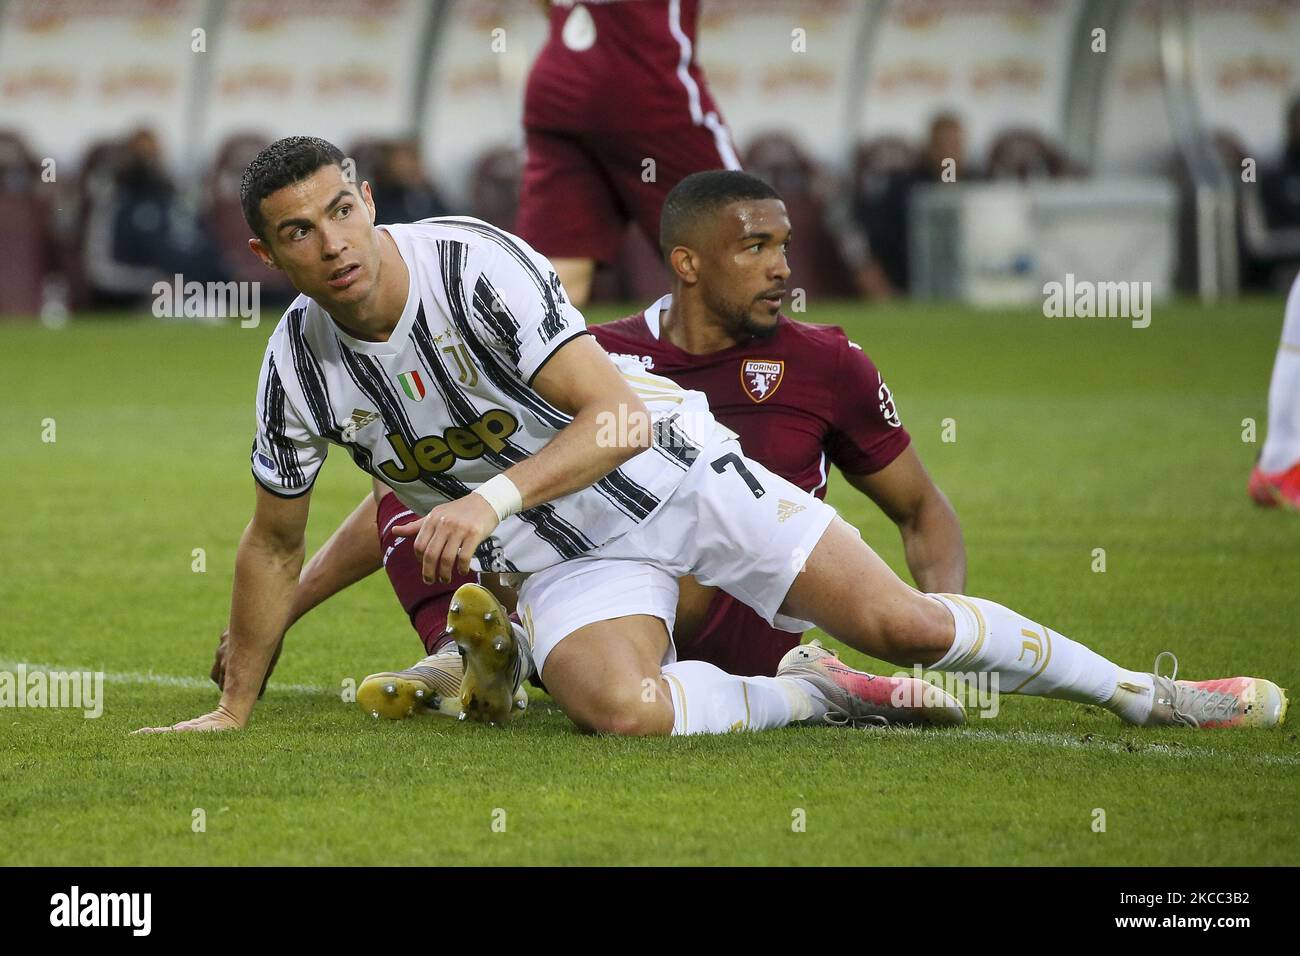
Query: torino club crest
{"points": [[761, 378]]}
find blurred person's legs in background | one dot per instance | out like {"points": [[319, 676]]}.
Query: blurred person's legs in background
{"points": [[1275, 479], [580, 191]]}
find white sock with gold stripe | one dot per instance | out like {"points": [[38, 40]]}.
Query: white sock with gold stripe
{"points": [[1029, 658], [1282, 443], [708, 700]]}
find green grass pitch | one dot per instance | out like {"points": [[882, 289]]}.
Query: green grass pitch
{"points": [[1071, 435]]}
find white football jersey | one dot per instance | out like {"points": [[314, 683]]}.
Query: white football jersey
{"points": [[446, 402]]}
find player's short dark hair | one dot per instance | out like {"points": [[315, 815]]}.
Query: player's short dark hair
{"points": [[283, 163], [701, 194]]}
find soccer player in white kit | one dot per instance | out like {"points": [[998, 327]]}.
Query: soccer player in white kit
{"points": [[1275, 479], [443, 357]]}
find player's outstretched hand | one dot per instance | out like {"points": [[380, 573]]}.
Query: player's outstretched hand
{"points": [[446, 537], [219, 719], [218, 673]]}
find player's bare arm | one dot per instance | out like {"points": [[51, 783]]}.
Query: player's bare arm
{"points": [[267, 564], [580, 380], [350, 554], [932, 538]]}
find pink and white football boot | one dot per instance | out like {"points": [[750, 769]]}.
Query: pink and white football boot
{"points": [[858, 699], [1226, 702]]}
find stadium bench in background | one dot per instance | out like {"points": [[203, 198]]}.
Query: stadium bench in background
{"points": [[875, 160], [403, 190], [494, 186], [26, 230], [368, 154], [1267, 216], [817, 263], [881, 170], [223, 216], [1026, 154], [640, 274], [92, 189]]}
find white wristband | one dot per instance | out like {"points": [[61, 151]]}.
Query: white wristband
{"points": [[500, 492]]}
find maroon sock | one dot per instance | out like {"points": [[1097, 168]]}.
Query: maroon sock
{"points": [[425, 604]]}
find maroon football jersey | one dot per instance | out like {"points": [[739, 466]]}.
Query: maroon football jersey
{"points": [[801, 398], [618, 64]]}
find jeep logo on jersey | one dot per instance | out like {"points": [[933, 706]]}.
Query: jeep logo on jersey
{"points": [[761, 379], [434, 454]]}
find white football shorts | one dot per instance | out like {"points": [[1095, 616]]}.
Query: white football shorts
{"points": [[731, 522]]}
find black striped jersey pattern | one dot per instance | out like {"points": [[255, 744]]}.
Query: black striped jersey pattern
{"points": [[447, 402]]}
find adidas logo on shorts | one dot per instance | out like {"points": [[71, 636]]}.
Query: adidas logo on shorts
{"points": [[786, 509]]}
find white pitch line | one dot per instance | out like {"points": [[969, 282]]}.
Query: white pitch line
{"points": [[157, 680], [1032, 737]]}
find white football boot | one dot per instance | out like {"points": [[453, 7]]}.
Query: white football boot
{"points": [[1225, 702]]}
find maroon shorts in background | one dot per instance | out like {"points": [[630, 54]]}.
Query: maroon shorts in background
{"points": [[737, 640], [425, 604], [733, 638], [581, 189]]}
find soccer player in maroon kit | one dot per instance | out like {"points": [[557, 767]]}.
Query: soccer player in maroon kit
{"points": [[801, 396], [615, 88]]}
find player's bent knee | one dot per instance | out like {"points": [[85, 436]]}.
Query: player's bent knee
{"points": [[631, 724], [919, 631], [935, 631], [626, 715]]}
